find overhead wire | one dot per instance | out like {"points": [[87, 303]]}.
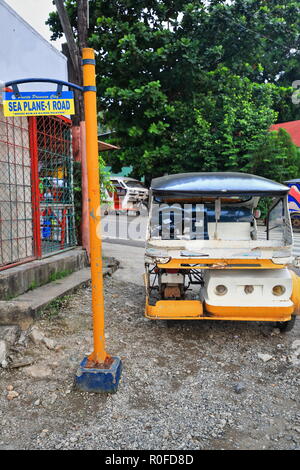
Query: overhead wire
{"points": [[288, 48]]}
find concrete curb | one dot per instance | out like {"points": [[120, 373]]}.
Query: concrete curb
{"points": [[25, 308], [17, 280]]}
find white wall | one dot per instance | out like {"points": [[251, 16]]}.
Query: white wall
{"points": [[26, 54]]}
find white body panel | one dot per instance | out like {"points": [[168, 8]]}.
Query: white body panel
{"points": [[172, 278], [219, 249], [263, 281]]}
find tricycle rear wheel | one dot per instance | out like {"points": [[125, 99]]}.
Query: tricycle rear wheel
{"points": [[286, 325]]}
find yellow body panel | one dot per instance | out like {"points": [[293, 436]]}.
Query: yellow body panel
{"points": [[295, 298], [196, 310], [175, 309], [250, 313], [204, 263], [193, 310]]}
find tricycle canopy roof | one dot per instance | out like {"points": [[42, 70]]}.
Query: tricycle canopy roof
{"points": [[297, 180], [216, 184]]}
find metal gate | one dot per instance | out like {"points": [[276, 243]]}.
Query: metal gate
{"points": [[36, 188], [16, 220], [55, 184]]}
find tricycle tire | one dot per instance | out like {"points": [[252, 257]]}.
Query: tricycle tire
{"points": [[286, 325]]}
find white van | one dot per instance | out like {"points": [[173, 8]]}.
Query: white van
{"points": [[129, 195]]}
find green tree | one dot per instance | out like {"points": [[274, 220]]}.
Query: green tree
{"points": [[225, 124], [277, 157], [191, 84]]}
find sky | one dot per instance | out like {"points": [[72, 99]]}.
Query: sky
{"points": [[35, 12]]}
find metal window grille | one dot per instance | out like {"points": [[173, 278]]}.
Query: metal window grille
{"points": [[16, 221], [55, 185]]}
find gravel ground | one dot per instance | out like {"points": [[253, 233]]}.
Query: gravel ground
{"points": [[189, 385]]}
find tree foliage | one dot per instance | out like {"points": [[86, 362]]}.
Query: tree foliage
{"points": [[277, 157], [192, 85]]}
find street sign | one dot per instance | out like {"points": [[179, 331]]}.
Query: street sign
{"points": [[38, 103]]}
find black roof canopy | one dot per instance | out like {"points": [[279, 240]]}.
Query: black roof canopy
{"points": [[216, 184]]}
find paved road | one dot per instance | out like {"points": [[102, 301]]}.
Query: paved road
{"points": [[296, 250], [124, 227], [131, 231], [132, 261]]}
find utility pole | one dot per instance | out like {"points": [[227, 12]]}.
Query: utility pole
{"points": [[82, 23], [74, 53], [82, 29], [67, 29]]}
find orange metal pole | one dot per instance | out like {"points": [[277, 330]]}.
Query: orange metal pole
{"points": [[99, 355]]}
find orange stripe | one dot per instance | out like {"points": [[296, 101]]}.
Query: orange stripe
{"points": [[193, 310], [220, 263]]}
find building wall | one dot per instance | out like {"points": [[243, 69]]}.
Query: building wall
{"points": [[26, 54]]}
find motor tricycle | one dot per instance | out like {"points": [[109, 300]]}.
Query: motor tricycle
{"points": [[210, 257]]}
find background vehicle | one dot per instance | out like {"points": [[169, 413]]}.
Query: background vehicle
{"points": [[294, 202], [129, 195], [206, 258]]}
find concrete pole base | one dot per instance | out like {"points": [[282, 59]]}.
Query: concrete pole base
{"points": [[98, 380]]}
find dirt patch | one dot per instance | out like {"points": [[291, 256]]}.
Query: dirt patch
{"points": [[188, 385]]}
